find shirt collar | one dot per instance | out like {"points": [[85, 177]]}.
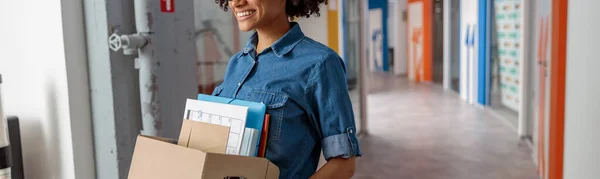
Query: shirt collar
{"points": [[282, 46]]}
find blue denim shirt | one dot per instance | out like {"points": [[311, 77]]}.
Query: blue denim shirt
{"points": [[304, 86]]}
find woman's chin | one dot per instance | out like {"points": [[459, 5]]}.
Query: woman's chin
{"points": [[245, 28]]}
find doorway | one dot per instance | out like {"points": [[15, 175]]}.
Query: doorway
{"points": [[455, 44], [351, 37], [438, 41], [506, 59]]}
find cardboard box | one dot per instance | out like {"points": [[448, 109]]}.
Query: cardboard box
{"points": [[203, 136], [197, 155]]}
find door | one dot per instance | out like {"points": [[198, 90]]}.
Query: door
{"points": [[438, 41]]}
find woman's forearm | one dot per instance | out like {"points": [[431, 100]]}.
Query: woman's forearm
{"points": [[336, 168]]}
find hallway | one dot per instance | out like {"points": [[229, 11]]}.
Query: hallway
{"points": [[421, 131]]}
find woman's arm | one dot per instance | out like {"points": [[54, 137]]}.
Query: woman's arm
{"points": [[331, 108], [336, 168]]}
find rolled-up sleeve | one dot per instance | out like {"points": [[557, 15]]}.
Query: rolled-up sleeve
{"points": [[331, 108]]}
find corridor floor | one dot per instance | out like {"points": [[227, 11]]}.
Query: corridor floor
{"points": [[421, 131]]}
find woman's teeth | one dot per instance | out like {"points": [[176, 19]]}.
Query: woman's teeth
{"points": [[245, 13]]}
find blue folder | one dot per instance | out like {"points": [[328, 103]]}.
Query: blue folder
{"points": [[256, 111]]}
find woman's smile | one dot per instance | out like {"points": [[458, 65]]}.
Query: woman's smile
{"points": [[245, 14]]}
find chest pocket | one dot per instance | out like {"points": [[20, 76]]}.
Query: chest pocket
{"points": [[275, 102], [217, 91]]}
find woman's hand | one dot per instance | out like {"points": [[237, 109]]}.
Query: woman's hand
{"points": [[336, 168]]}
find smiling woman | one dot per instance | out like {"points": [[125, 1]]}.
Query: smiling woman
{"points": [[269, 10], [294, 8], [303, 84]]}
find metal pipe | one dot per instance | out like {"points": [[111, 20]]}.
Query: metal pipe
{"points": [[148, 70], [131, 43]]}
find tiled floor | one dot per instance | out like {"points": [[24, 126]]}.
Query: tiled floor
{"points": [[510, 115], [421, 131]]}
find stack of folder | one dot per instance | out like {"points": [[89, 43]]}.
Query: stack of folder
{"points": [[255, 133]]}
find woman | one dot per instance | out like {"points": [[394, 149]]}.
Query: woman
{"points": [[303, 85]]}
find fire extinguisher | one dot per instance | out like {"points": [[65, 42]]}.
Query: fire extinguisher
{"points": [[5, 156]]}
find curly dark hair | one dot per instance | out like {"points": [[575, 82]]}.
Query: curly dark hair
{"points": [[293, 8]]}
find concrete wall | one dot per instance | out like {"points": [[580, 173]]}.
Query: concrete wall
{"points": [[45, 85], [582, 111]]}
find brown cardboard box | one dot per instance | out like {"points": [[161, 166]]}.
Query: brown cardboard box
{"points": [[198, 155], [203, 136]]}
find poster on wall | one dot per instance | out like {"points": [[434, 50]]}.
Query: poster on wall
{"points": [[508, 28], [217, 38], [415, 39], [375, 39], [468, 50]]}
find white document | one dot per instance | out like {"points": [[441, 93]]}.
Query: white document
{"points": [[250, 141], [220, 114]]}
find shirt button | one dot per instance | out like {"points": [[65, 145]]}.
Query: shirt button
{"points": [[239, 84]]}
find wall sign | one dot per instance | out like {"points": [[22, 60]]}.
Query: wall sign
{"points": [[508, 28], [167, 6]]}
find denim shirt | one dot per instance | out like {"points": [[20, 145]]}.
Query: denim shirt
{"points": [[303, 84]]}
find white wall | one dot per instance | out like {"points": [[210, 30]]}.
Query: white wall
{"points": [[400, 41], [45, 85], [582, 111], [316, 27]]}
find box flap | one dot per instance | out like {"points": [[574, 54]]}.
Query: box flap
{"points": [[172, 141], [155, 159], [204, 136], [222, 165]]}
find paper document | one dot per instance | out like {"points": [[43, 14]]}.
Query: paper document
{"points": [[220, 114], [249, 142]]}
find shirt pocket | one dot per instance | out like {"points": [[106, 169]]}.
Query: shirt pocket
{"points": [[217, 91], [275, 101]]}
